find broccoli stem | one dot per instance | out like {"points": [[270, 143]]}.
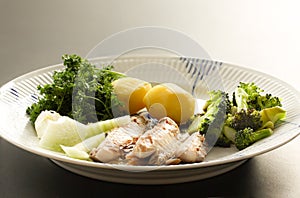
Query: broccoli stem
{"points": [[260, 134], [247, 136]]}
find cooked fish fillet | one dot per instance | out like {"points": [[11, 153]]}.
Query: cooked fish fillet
{"points": [[157, 145], [121, 140], [192, 149]]}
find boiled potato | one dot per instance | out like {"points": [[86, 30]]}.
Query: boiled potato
{"points": [[131, 91], [170, 100]]}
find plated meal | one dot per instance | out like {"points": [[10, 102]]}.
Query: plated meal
{"points": [[146, 119], [100, 115]]}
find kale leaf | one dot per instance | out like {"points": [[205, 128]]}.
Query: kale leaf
{"points": [[80, 91]]}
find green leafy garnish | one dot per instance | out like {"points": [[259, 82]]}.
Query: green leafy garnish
{"points": [[80, 91]]}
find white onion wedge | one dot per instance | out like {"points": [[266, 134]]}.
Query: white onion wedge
{"points": [[82, 149], [55, 130]]}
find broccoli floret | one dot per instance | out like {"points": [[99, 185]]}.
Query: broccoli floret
{"points": [[215, 96], [247, 136], [248, 117], [240, 99], [211, 122], [264, 102], [250, 88], [217, 104], [249, 96], [245, 118]]}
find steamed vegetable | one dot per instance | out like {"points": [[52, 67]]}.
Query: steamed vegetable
{"points": [[80, 91], [130, 92], [270, 116], [170, 100], [55, 130], [250, 96], [82, 149], [212, 121], [253, 115], [247, 118], [247, 136]]}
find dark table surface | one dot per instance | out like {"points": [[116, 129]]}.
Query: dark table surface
{"points": [[35, 34]]}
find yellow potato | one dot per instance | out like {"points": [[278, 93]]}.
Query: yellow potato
{"points": [[131, 91], [170, 100]]}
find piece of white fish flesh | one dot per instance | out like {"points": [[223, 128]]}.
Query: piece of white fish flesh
{"points": [[192, 149], [157, 145], [121, 140]]}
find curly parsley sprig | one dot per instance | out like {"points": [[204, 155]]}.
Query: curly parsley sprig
{"points": [[80, 91]]}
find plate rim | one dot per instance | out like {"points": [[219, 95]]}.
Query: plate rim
{"points": [[60, 157]]}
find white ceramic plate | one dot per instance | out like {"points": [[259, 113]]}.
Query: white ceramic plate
{"points": [[195, 75]]}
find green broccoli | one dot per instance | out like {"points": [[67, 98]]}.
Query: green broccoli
{"points": [[211, 122], [247, 136], [251, 111], [237, 121], [245, 118], [266, 101], [249, 96]]}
